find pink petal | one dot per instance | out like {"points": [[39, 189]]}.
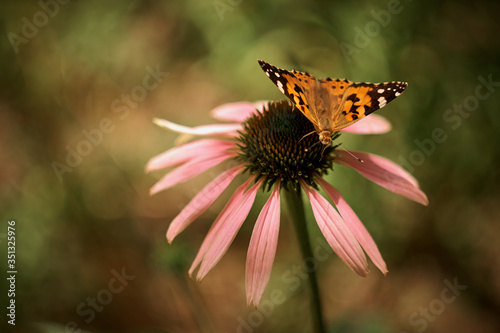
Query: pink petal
{"points": [[384, 173], [262, 248], [236, 112], [235, 198], [189, 170], [200, 203], [218, 130], [186, 152], [336, 232], [355, 225], [372, 124], [224, 229]]}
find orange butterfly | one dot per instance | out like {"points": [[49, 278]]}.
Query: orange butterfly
{"points": [[332, 104]]}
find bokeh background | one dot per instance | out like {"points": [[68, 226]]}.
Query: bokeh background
{"points": [[71, 69]]}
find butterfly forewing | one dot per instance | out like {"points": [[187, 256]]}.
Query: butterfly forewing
{"points": [[361, 99], [297, 86]]}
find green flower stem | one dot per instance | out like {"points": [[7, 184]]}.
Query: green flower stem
{"points": [[296, 209]]}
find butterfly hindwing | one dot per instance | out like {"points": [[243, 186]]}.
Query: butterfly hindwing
{"points": [[335, 88], [361, 99]]}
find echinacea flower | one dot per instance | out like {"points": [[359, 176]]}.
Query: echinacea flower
{"points": [[268, 144]]}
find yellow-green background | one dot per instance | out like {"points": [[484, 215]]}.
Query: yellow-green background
{"points": [[71, 233]]}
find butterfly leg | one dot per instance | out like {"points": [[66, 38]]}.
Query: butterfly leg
{"points": [[324, 147], [307, 135]]}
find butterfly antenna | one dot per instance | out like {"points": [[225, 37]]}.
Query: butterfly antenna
{"points": [[314, 144], [338, 145]]}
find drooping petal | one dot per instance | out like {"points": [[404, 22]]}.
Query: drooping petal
{"points": [[384, 173], [355, 225], [186, 152], [224, 229], [200, 203], [262, 248], [189, 170], [235, 198], [352, 156], [336, 232], [217, 130], [236, 112], [372, 124]]}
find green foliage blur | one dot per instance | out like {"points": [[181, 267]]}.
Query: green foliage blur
{"points": [[67, 72]]}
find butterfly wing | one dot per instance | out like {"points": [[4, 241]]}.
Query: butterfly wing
{"points": [[332, 104], [361, 99], [299, 87], [332, 91]]}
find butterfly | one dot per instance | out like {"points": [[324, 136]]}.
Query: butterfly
{"points": [[332, 104]]}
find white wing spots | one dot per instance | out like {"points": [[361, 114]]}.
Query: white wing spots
{"points": [[382, 101], [267, 73], [280, 86], [397, 94], [276, 73], [380, 91]]}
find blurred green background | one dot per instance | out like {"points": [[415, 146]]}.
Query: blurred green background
{"points": [[67, 69]]}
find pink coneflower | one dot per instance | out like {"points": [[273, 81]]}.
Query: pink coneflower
{"points": [[267, 144]]}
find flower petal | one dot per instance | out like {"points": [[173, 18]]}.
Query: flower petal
{"points": [[186, 152], [189, 170], [262, 248], [384, 173], [200, 203], [224, 229], [373, 124], [236, 112], [355, 225], [235, 198], [218, 130], [336, 232]]}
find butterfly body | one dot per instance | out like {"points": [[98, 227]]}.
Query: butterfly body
{"points": [[331, 104]]}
